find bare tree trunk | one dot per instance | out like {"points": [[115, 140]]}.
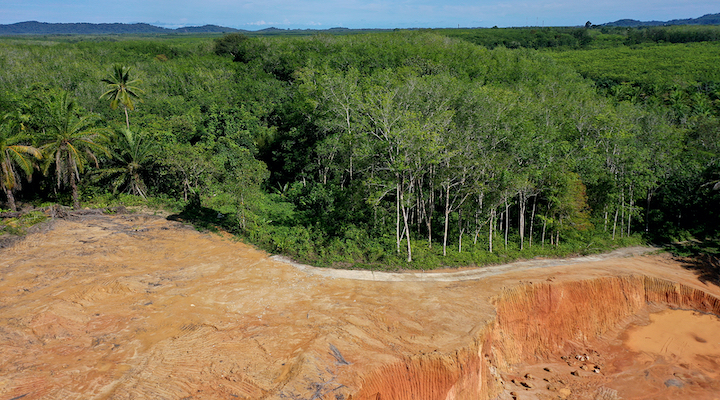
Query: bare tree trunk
{"points": [[462, 230], [501, 225], [407, 231], [491, 227], [522, 200], [242, 212], [127, 117], [606, 219], [622, 213], [557, 232], [10, 199], [397, 213], [532, 219], [647, 212], [419, 209], [478, 212], [428, 214], [447, 218], [507, 221], [632, 204], [75, 192], [615, 222]]}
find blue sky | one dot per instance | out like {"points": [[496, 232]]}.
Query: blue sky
{"points": [[303, 14]]}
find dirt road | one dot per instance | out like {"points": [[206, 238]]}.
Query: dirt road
{"points": [[138, 307], [468, 274]]}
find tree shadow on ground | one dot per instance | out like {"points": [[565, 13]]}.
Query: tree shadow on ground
{"points": [[204, 218], [701, 257]]}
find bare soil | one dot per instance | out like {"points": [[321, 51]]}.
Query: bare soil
{"points": [[138, 307]]}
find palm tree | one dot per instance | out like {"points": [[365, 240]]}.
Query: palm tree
{"points": [[121, 90], [14, 155], [132, 154], [70, 143]]}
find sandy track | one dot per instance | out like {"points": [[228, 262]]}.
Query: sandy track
{"points": [[465, 274], [138, 307]]}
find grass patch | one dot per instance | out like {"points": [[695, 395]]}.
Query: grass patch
{"points": [[18, 226]]}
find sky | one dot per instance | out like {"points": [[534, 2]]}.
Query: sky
{"points": [[324, 14]]}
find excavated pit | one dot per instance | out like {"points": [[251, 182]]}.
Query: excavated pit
{"points": [[565, 340], [138, 307]]}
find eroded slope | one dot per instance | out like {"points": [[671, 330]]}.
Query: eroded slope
{"points": [[133, 307]]}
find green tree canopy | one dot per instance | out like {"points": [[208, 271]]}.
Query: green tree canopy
{"points": [[72, 139], [121, 90], [14, 154], [132, 155]]}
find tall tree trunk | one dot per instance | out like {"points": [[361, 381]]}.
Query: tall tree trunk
{"points": [[127, 117], [630, 209], [419, 208], [397, 213], [462, 230], [615, 222], [10, 199], [622, 213], [606, 219], [429, 213], [532, 220], [507, 221], [647, 212], [75, 193], [242, 212], [447, 218], [522, 199], [557, 233], [478, 213], [407, 229], [491, 227], [501, 225]]}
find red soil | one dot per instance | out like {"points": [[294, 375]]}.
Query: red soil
{"points": [[137, 307]]}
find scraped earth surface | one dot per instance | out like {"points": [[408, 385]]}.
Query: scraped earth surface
{"points": [[139, 307]]}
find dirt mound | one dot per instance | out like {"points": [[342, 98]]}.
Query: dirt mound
{"points": [[138, 307]]}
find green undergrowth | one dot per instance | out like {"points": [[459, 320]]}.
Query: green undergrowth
{"points": [[111, 201], [19, 226], [700, 256], [357, 250], [692, 247]]}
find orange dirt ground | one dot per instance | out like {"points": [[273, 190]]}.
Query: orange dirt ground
{"points": [[138, 307]]}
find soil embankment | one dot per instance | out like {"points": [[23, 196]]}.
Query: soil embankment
{"points": [[137, 307]]}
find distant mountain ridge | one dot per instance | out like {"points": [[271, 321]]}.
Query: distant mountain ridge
{"points": [[707, 19], [44, 28]]}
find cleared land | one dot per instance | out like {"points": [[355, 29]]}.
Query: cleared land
{"points": [[135, 307]]}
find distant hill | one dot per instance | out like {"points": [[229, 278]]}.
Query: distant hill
{"points": [[207, 29], [271, 29], [44, 28], [708, 19]]}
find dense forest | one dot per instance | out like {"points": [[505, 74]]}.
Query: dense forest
{"points": [[410, 149]]}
